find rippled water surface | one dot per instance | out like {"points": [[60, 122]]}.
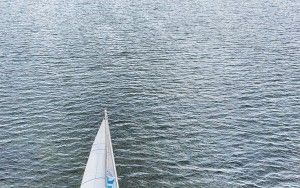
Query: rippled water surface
{"points": [[199, 93]]}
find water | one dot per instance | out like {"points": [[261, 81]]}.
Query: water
{"points": [[199, 93]]}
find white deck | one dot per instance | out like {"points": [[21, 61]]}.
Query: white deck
{"points": [[101, 163]]}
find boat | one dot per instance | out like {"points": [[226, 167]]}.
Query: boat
{"points": [[100, 170]]}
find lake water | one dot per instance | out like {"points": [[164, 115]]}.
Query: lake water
{"points": [[199, 93]]}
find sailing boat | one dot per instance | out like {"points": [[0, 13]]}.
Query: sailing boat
{"points": [[100, 170]]}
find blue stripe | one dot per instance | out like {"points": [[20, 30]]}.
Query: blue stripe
{"points": [[110, 182]]}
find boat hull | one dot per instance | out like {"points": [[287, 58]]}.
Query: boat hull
{"points": [[100, 171]]}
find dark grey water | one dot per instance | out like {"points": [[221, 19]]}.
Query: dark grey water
{"points": [[199, 93]]}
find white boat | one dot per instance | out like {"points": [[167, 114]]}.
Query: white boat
{"points": [[100, 170]]}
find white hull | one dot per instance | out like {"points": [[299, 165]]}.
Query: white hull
{"points": [[100, 171]]}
